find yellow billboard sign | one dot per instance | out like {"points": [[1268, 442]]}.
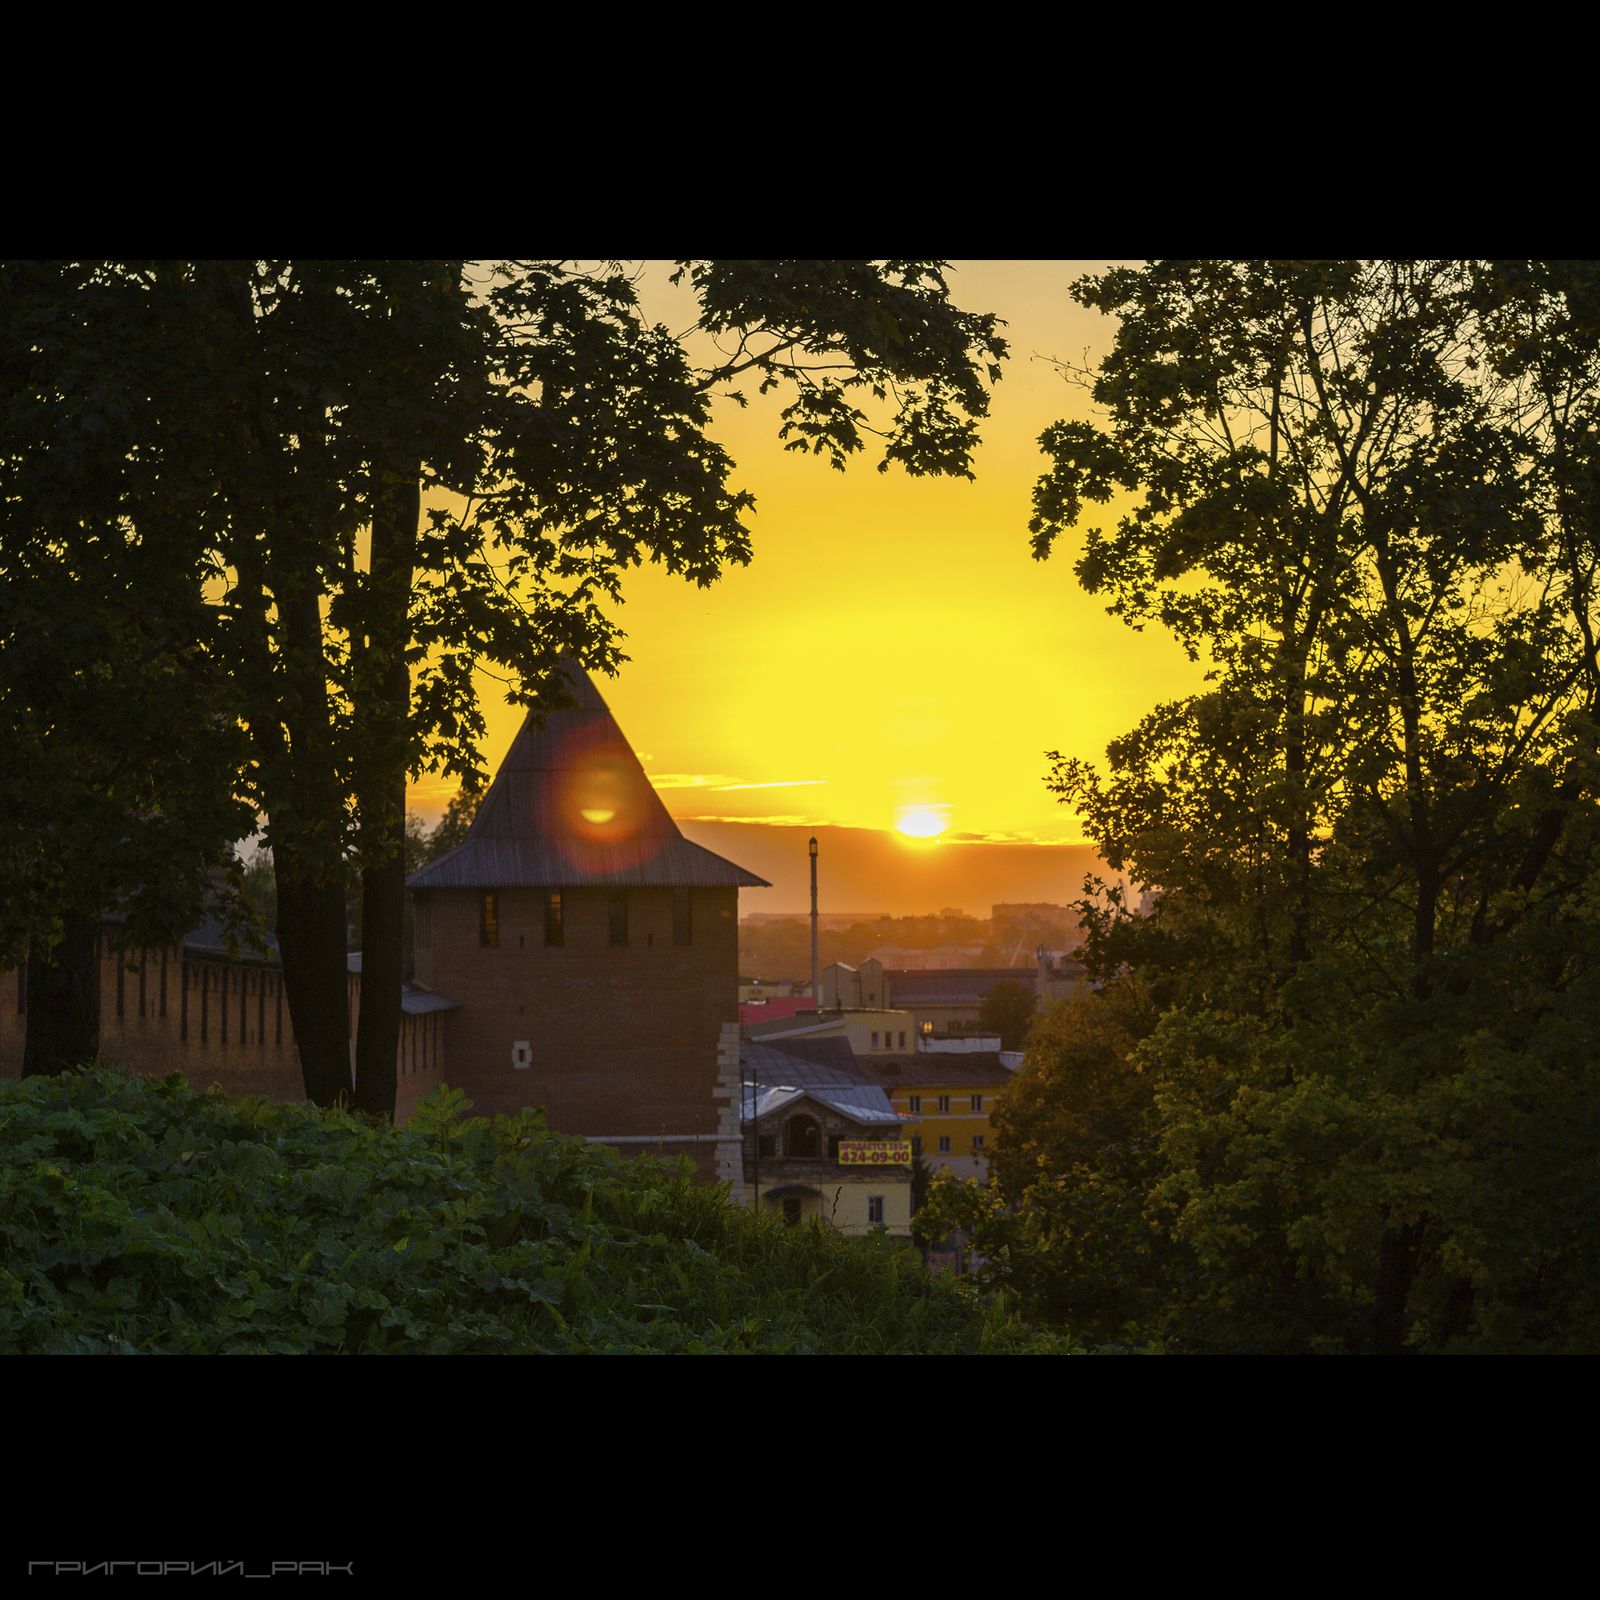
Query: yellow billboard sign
{"points": [[873, 1153]]}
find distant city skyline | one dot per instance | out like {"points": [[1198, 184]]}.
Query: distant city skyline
{"points": [[892, 659]]}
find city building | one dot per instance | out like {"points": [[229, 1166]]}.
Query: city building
{"points": [[952, 1094], [593, 949], [853, 988], [822, 1139], [868, 1032], [773, 988], [950, 1001]]}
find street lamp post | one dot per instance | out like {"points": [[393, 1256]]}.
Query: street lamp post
{"points": [[816, 992]]}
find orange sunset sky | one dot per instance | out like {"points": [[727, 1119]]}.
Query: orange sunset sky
{"points": [[892, 657]]}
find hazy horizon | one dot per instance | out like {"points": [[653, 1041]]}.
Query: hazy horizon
{"points": [[875, 870]]}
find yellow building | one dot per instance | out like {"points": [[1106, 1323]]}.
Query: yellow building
{"points": [[869, 1032], [808, 1120], [953, 1094]]}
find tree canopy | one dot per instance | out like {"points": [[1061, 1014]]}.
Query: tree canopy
{"points": [[1359, 1113], [297, 415], [1008, 1009]]}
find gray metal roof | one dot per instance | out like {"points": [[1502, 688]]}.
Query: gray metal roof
{"points": [[414, 1001], [577, 863], [866, 1105], [827, 1060], [783, 1078], [420, 1005], [927, 1068], [571, 806], [207, 940]]}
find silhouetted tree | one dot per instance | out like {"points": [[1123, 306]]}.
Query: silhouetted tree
{"points": [[1364, 493], [120, 749], [559, 438]]}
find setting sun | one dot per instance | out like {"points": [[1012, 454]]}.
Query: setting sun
{"points": [[922, 824]]}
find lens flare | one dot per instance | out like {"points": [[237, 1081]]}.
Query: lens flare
{"points": [[594, 815], [922, 824]]}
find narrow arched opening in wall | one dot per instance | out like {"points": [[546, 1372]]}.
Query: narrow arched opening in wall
{"points": [[802, 1137]]}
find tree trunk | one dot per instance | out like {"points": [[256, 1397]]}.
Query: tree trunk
{"points": [[1422, 929], [64, 1001], [1397, 1270], [281, 554], [308, 865], [311, 940], [397, 508], [1299, 830]]}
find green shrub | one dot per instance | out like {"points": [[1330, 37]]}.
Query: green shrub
{"points": [[137, 1216]]}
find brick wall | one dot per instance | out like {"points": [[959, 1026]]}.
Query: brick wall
{"points": [[623, 1040], [216, 1022]]}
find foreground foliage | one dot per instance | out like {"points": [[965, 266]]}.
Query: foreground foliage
{"points": [[140, 1217], [1212, 1180]]}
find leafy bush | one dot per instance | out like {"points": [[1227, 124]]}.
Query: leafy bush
{"points": [[138, 1216]]}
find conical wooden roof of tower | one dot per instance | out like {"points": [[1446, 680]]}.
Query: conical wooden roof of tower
{"points": [[571, 806]]}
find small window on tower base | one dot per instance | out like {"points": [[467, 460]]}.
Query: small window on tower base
{"points": [[552, 917], [488, 920]]}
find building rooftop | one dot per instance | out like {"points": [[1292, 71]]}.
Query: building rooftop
{"points": [[960, 985], [821, 1069], [778, 1008], [571, 806], [922, 1069], [416, 1002], [207, 940]]}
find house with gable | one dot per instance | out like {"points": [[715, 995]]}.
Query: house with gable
{"points": [[805, 1112]]}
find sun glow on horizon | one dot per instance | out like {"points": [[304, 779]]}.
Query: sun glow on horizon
{"points": [[922, 824]]}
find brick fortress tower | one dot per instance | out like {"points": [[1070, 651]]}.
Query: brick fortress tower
{"points": [[593, 948]]}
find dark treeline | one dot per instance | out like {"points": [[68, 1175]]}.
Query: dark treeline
{"points": [[1337, 1090], [783, 949]]}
